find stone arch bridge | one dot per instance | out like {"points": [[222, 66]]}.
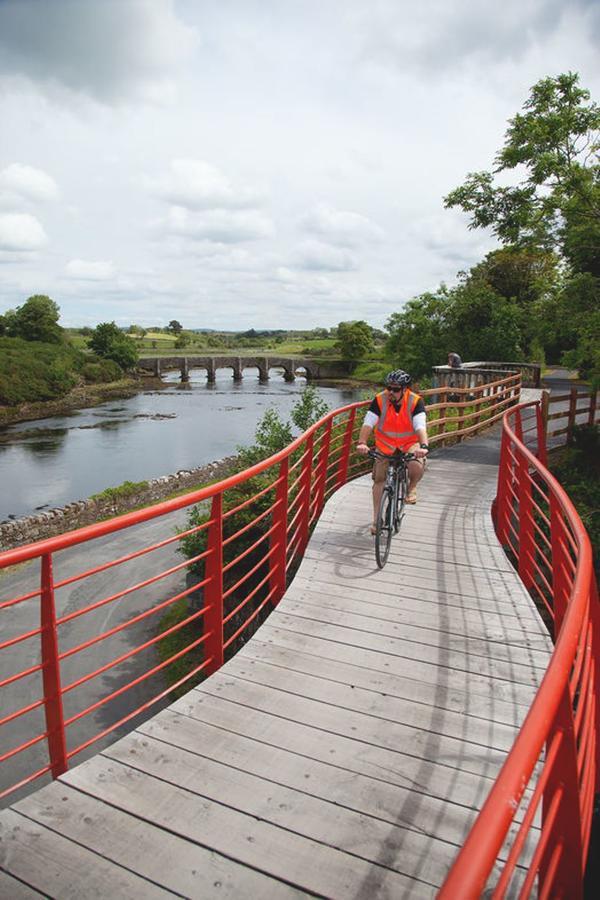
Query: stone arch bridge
{"points": [[312, 368]]}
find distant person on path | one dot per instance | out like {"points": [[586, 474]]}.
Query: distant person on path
{"points": [[454, 362], [398, 416]]}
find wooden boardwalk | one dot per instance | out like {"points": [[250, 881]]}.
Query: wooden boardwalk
{"points": [[343, 752]]}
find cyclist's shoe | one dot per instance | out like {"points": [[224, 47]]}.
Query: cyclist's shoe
{"points": [[411, 497]]}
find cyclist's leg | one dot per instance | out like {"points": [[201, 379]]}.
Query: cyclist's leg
{"points": [[416, 469], [380, 468]]}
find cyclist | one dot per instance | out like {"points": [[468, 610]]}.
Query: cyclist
{"points": [[400, 422]]}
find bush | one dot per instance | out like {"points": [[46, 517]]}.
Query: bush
{"points": [[101, 372]]}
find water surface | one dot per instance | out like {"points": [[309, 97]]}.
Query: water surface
{"points": [[50, 462]]}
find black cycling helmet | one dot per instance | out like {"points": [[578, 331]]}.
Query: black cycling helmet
{"points": [[398, 378]]}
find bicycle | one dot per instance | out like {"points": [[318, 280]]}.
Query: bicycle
{"points": [[393, 500]]}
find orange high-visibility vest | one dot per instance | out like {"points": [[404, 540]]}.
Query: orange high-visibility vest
{"points": [[395, 430]]}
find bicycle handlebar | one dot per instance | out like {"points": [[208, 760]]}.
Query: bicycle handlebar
{"points": [[398, 455]]}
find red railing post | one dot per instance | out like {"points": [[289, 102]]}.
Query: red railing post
{"points": [[305, 485], [503, 496], [213, 591], [279, 534], [561, 802], [346, 447], [53, 708], [526, 529], [323, 457], [541, 411], [561, 585]]}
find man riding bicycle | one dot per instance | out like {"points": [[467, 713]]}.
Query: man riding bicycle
{"points": [[400, 422]]}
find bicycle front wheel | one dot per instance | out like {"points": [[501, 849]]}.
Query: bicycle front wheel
{"points": [[383, 534], [402, 488]]}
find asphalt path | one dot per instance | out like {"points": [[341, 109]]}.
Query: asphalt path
{"points": [[25, 617]]}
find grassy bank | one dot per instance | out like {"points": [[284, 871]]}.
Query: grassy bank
{"points": [[77, 398]]}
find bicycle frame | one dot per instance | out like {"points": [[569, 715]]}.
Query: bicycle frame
{"points": [[391, 508]]}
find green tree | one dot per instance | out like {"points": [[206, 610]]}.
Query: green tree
{"points": [[355, 339], [419, 335], [174, 327], [557, 202], [308, 409], [37, 320], [109, 342], [486, 325]]}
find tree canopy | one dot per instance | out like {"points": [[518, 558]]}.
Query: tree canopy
{"points": [[354, 339], [35, 320], [554, 142], [109, 342]]}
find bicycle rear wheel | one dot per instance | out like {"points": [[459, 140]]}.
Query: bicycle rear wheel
{"points": [[383, 534]]}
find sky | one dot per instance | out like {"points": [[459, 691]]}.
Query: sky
{"points": [[258, 163]]}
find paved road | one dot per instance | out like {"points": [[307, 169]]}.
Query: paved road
{"points": [[25, 616]]}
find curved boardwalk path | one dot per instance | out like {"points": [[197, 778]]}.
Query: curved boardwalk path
{"points": [[343, 752]]}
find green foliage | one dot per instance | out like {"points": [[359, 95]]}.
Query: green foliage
{"points": [[309, 409], [175, 327], [553, 143], [102, 371], [127, 489], [577, 468], [109, 342], [355, 339], [419, 336], [35, 320]]}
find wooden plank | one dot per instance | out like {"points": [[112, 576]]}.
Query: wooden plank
{"points": [[16, 890], [164, 859], [58, 867], [515, 673], [426, 744], [353, 754], [405, 806], [304, 863], [491, 628], [415, 599], [428, 717], [445, 679], [496, 646], [330, 821], [463, 703]]}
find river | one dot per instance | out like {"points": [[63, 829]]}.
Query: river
{"points": [[50, 462]]}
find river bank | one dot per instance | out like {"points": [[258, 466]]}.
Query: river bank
{"points": [[111, 502], [81, 397]]}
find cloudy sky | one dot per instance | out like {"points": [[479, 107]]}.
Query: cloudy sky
{"points": [[266, 163]]}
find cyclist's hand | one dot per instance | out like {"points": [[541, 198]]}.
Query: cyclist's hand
{"points": [[363, 449], [420, 452]]}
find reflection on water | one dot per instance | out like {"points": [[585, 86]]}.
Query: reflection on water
{"points": [[54, 461]]}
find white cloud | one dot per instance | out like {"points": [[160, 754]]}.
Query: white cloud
{"points": [[316, 256], [21, 232], [348, 229], [18, 182], [195, 184], [218, 226], [90, 270], [110, 50]]}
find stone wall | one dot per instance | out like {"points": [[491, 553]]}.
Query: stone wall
{"points": [[85, 512]]}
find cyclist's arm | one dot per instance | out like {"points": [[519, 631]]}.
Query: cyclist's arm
{"points": [[369, 423], [420, 426]]}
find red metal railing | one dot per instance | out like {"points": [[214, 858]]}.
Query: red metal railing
{"points": [[538, 815], [85, 649]]}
